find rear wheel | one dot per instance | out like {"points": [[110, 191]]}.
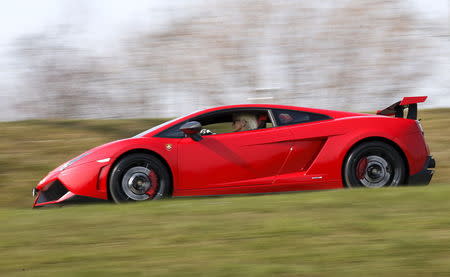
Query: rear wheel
{"points": [[373, 165], [139, 177]]}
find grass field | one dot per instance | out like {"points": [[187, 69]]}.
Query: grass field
{"points": [[386, 232], [402, 231]]}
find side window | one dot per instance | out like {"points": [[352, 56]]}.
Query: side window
{"points": [[219, 128], [235, 121], [223, 122], [289, 117]]}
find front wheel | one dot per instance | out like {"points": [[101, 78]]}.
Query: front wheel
{"points": [[139, 177], [374, 165]]}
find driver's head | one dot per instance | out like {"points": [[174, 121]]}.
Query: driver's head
{"points": [[244, 122]]}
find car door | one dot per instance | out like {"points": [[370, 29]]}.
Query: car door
{"points": [[309, 137], [233, 159]]}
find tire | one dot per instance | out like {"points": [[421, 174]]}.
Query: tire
{"points": [[373, 165], [139, 177]]}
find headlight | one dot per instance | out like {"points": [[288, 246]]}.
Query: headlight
{"points": [[71, 162]]}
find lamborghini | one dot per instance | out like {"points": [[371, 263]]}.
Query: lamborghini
{"points": [[288, 149]]}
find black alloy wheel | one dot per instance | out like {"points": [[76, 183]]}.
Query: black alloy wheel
{"points": [[139, 177], [374, 164]]}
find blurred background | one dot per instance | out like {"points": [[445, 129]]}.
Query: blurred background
{"points": [[159, 59], [133, 64]]}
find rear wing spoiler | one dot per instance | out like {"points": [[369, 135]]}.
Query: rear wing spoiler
{"points": [[397, 108]]}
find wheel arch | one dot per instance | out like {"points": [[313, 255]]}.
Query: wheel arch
{"points": [[378, 139], [141, 151]]}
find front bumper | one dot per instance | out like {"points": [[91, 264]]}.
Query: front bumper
{"points": [[88, 180], [424, 176], [55, 193]]}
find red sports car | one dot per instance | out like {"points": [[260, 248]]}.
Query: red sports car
{"points": [[244, 149]]}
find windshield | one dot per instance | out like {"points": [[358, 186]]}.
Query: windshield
{"points": [[154, 128], [161, 125]]}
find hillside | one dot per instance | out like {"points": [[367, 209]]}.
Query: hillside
{"points": [[30, 149], [401, 231]]}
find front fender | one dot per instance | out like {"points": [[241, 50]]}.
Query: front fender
{"points": [[88, 177]]}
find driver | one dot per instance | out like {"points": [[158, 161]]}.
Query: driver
{"points": [[244, 122]]}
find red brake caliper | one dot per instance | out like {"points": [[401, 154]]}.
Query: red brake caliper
{"points": [[361, 168], [154, 181]]}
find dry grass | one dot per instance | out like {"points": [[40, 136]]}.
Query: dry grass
{"points": [[437, 133]]}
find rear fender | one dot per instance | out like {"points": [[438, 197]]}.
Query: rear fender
{"points": [[344, 133]]}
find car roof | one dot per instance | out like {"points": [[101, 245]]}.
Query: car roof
{"points": [[331, 113]]}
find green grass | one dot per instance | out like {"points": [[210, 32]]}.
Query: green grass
{"points": [[385, 232], [401, 231]]}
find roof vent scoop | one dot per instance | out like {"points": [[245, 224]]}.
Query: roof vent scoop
{"points": [[398, 108]]}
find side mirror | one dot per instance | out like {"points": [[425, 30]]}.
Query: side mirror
{"points": [[192, 129]]}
